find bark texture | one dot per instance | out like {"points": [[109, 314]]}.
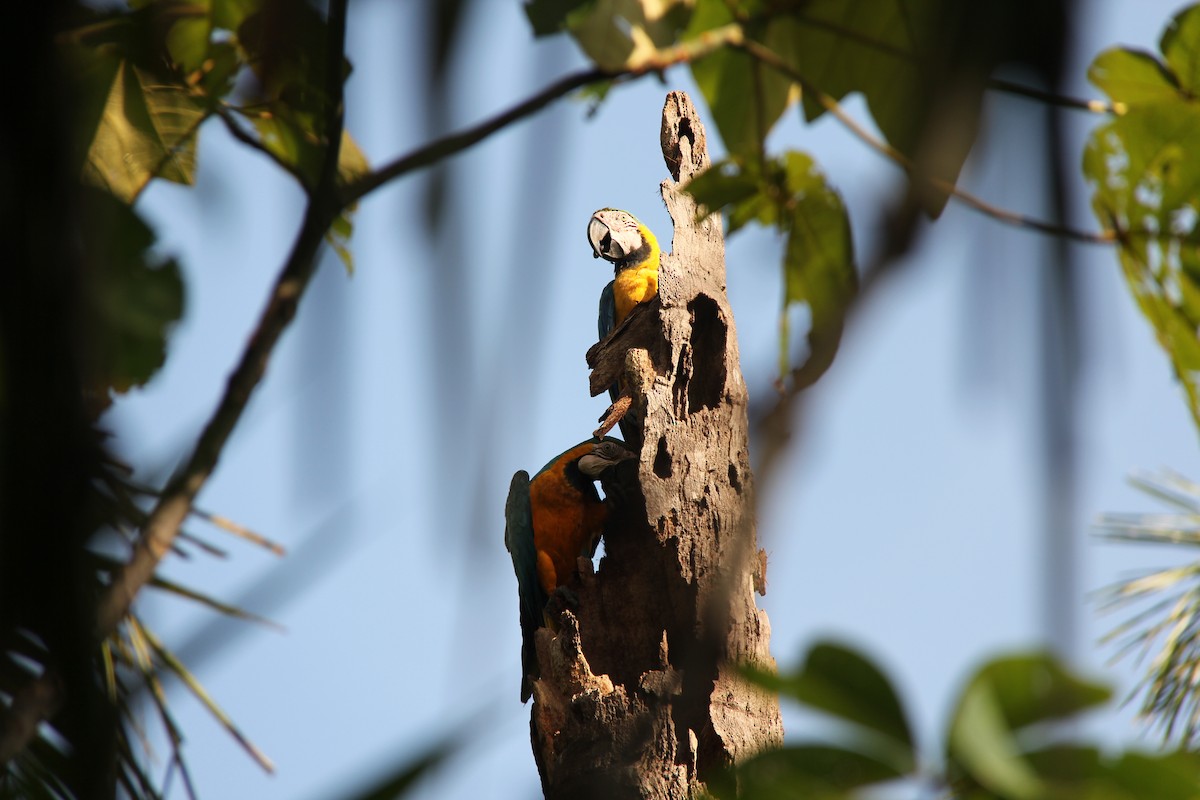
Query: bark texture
{"points": [[638, 697]]}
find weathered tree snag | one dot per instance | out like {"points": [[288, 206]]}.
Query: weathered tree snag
{"points": [[638, 697]]}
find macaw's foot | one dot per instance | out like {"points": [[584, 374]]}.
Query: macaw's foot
{"points": [[614, 415]]}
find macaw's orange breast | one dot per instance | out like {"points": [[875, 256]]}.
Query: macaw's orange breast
{"points": [[566, 522]]}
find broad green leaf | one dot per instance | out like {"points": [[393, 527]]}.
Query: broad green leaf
{"points": [[746, 98], [619, 33], [720, 185], [188, 41], [981, 747], [1132, 77], [1180, 45], [818, 265], [1067, 765], [229, 14], [1147, 191], [843, 683], [1036, 688], [808, 771], [135, 298], [1168, 776], [148, 129], [911, 61], [550, 16], [1005, 696]]}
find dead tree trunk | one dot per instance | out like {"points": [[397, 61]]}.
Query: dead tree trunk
{"points": [[638, 696]]}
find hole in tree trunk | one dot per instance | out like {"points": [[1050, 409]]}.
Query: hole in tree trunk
{"points": [[708, 355], [662, 460]]}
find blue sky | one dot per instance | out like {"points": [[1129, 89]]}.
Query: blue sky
{"points": [[903, 518]]}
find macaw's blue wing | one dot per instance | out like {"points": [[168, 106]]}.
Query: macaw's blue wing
{"points": [[518, 538], [605, 324], [608, 312]]}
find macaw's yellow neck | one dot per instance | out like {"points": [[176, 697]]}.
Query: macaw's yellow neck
{"points": [[637, 280]]}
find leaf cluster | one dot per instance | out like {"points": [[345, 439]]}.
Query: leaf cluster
{"points": [[1003, 741], [1146, 184]]}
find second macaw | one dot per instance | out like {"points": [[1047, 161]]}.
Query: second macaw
{"points": [[550, 521]]}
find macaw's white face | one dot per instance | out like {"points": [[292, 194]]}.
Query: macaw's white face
{"points": [[613, 234]]}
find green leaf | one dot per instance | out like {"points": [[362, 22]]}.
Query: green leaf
{"points": [[1180, 45], [619, 33], [843, 683], [900, 55], [722, 184], [1132, 77], [1168, 776], [808, 771], [230, 14], [981, 746], [187, 41], [1036, 688], [135, 299], [1146, 190], [148, 129], [338, 237], [818, 265], [745, 97], [550, 16], [1005, 696]]}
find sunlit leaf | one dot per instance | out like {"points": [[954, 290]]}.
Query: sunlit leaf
{"points": [[550, 16], [1147, 191], [187, 41], [1132, 77], [1180, 45], [619, 33], [147, 130]]}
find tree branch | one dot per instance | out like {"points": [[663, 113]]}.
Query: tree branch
{"points": [[40, 697], [436, 150]]}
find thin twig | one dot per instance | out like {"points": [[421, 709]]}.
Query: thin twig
{"points": [[441, 148], [1052, 99], [238, 132], [770, 58]]}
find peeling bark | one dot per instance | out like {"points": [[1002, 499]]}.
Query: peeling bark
{"points": [[638, 697]]}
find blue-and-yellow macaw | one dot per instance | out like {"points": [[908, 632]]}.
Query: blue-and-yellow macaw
{"points": [[619, 237], [550, 522]]}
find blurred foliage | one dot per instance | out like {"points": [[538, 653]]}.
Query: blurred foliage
{"points": [[1164, 630], [1147, 187], [147, 78], [1003, 741]]}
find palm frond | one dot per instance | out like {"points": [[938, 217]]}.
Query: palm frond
{"points": [[1163, 629]]}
